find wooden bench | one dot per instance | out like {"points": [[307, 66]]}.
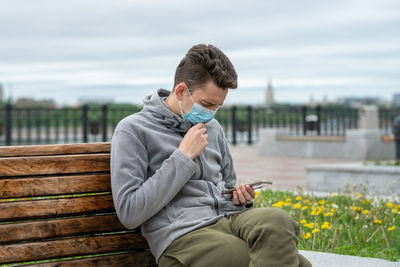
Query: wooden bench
{"points": [[55, 203]]}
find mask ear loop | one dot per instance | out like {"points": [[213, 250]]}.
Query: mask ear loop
{"points": [[187, 88], [180, 102]]}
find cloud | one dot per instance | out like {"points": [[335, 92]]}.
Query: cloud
{"points": [[320, 47]]}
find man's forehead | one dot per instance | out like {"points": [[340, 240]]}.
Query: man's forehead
{"points": [[211, 96]]}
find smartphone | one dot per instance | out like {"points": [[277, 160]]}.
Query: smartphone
{"points": [[255, 185]]}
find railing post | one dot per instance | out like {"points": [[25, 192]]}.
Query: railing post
{"points": [[249, 124], [304, 114], [318, 109], [85, 123], [8, 124], [234, 125], [104, 117]]}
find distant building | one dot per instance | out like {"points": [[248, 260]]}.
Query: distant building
{"points": [[26, 102], [94, 100], [325, 101], [357, 101], [396, 99], [269, 100], [312, 102]]}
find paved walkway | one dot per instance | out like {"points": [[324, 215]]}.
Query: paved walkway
{"points": [[285, 172], [288, 173]]}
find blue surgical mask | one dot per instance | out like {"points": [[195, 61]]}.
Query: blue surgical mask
{"points": [[197, 113]]}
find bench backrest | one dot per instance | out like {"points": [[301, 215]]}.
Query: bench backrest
{"points": [[55, 203]]}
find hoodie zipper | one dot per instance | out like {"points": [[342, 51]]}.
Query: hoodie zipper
{"points": [[209, 186]]}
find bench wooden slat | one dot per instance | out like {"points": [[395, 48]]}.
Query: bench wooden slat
{"points": [[69, 247], [40, 165], [19, 210], [60, 224], [36, 230], [44, 186], [137, 259], [41, 150]]}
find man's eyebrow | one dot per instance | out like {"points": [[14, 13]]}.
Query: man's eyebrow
{"points": [[210, 103]]}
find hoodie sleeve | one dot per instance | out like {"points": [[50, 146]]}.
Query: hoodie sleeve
{"points": [[137, 199], [229, 178]]}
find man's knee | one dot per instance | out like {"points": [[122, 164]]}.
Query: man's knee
{"points": [[276, 218]]}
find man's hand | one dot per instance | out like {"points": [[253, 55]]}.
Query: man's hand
{"points": [[195, 141], [244, 194]]}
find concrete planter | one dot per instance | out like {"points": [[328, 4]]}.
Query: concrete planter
{"points": [[334, 178], [359, 144]]}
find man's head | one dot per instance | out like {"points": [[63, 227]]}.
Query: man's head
{"points": [[203, 76], [205, 63]]}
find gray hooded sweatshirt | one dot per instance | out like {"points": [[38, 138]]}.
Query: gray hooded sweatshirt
{"points": [[157, 186]]}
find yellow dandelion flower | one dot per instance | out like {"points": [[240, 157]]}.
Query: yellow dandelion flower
{"points": [[394, 211], [357, 194], [378, 221], [298, 198], [313, 213], [397, 207], [326, 226], [333, 195], [304, 208], [303, 221], [288, 200], [257, 194], [389, 205], [321, 202], [391, 228], [355, 208], [316, 230], [365, 212], [297, 206], [279, 204], [307, 235], [309, 225]]}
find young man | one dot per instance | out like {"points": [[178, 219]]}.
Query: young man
{"points": [[169, 164]]}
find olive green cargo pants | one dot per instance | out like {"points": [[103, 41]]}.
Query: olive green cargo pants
{"points": [[253, 237]]}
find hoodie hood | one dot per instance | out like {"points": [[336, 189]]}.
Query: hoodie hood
{"points": [[158, 109]]}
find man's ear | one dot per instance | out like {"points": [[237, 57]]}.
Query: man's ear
{"points": [[180, 90]]}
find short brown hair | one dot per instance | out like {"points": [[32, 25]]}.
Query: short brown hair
{"points": [[203, 63]]}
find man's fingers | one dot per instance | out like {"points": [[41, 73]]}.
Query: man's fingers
{"points": [[245, 193], [251, 191], [241, 197], [235, 198]]}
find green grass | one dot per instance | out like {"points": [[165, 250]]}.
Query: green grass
{"points": [[390, 163], [350, 224]]}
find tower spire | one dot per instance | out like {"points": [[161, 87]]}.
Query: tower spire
{"points": [[270, 93]]}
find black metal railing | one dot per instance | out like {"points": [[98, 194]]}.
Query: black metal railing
{"points": [[241, 124], [386, 117]]}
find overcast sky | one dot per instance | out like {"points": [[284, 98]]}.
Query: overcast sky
{"points": [[124, 50]]}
